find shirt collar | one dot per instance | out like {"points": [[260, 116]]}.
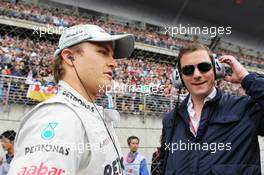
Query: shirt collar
{"points": [[66, 90], [211, 95], [208, 98], [110, 115]]}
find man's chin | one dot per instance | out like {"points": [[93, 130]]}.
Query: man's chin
{"points": [[200, 92]]}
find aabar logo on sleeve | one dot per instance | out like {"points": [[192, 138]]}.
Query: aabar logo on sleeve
{"points": [[41, 170]]}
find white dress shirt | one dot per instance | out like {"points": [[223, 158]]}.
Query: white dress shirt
{"points": [[194, 122]]}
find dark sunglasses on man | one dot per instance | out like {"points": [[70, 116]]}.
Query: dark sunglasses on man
{"points": [[203, 67]]}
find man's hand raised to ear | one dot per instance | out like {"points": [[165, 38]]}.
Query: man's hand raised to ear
{"points": [[239, 71]]}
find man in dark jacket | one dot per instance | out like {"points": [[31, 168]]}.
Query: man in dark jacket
{"points": [[211, 132]]}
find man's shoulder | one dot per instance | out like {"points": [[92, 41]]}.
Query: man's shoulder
{"points": [[230, 101], [56, 105], [53, 111], [48, 121]]}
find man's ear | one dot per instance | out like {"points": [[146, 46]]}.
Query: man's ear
{"points": [[67, 56]]}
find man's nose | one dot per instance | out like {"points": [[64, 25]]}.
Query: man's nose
{"points": [[112, 63], [197, 74]]}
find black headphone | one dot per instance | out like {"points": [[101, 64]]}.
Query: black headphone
{"points": [[218, 68]]}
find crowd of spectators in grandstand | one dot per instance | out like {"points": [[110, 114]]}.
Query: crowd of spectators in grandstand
{"points": [[66, 17], [24, 57]]}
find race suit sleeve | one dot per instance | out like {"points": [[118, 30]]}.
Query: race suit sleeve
{"points": [[47, 142], [253, 84]]}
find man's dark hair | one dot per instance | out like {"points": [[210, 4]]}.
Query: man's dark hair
{"points": [[9, 134], [131, 138], [192, 47]]}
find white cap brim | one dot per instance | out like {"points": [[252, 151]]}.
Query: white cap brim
{"points": [[123, 47]]}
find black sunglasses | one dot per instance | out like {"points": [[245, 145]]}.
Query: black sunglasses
{"points": [[202, 67]]}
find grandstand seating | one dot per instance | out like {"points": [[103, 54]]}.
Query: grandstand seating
{"points": [[22, 58]]}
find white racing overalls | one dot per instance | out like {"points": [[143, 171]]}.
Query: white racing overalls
{"points": [[65, 135]]}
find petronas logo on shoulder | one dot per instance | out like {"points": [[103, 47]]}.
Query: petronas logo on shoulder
{"points": [[48, 133]]}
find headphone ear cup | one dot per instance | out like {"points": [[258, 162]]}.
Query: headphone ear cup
{"points": [[219, 69], [176, 79]]}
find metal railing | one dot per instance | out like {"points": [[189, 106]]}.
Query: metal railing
{"points": [[14, 90]]}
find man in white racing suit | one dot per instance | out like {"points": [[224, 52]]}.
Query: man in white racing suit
{"points": [[69, 134]]}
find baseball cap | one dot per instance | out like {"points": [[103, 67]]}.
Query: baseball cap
{"points": [[123, 44]]}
